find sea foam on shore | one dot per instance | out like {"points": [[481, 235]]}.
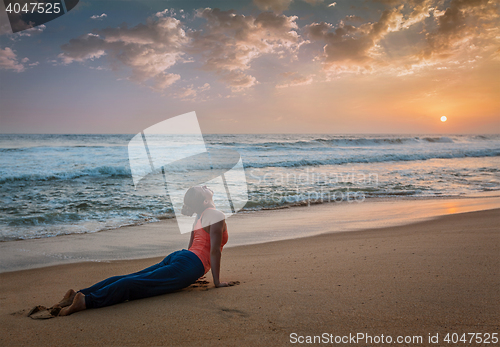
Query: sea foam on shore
{"points": [[70, 184]]}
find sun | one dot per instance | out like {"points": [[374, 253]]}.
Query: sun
{"points": [[444, 119]]}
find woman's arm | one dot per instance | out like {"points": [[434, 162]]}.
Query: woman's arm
{"points": [[192, 235], [216, 231], [191, 240]]}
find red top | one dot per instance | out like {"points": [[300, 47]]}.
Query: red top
{"points": [[201, 243]]}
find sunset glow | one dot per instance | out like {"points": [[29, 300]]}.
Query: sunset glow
{"points": [[267, 66]]}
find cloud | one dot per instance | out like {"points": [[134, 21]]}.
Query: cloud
{"points": [[191, 93], [99, 17], [456, 34], [171, 13], [32, 31], [85, 47], [18, 21], [461, 26], [352, 18], [226, 45], [8, 60], [204, 87], [420, 11], [453, 29], [25, 60], [164, 80], [188, 93], [295, 79], [238, 80], [148, 50], [349, 47], [229, 43]]}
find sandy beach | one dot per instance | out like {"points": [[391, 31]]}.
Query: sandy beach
{"points": [[352, 148], [432, 277]]}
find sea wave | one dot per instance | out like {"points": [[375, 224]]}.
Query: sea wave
{"points": [[45, 148], [101, 171], [340, 142], [46, 218], [379, 158]]}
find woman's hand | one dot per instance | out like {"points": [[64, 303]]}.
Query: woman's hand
{"points": [[227, 284]]}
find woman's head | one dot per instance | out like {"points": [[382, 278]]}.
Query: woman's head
{"points": [[196, 200]]}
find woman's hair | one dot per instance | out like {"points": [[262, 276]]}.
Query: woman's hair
{"points": [[193, 201]]}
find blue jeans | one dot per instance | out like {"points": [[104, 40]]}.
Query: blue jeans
{"points": [[178, 270]]}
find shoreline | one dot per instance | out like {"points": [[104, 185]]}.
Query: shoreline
{"points": [[160, 238], [431, 277], [392, 198]]}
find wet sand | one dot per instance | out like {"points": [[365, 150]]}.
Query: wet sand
{"points": [[432, 277], [161, 238]]}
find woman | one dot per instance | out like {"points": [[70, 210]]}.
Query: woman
{"points": [[178, 270]]}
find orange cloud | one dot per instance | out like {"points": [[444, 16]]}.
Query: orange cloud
{"points": [[465, 30], [349, 46], [295, 79], [459, 26], [409, 37]]}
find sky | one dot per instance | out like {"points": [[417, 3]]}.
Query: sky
{"points": [[256, 66]]}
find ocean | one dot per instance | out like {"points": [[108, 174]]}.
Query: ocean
{"points": [[64, 184]]}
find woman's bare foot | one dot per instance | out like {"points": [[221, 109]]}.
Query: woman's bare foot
{"points": [[77, 305], [67, 299]]}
